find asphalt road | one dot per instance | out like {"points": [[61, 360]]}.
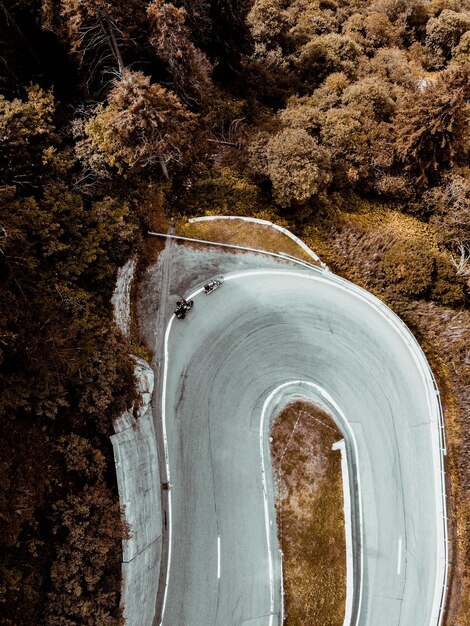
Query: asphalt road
{"points": [[259, 331]]}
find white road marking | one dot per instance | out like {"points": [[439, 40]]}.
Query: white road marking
{"points": [[218, 557], [266, 509], [435, 411], [399, 557], [330, 404], [167, 463], [428, 379]]}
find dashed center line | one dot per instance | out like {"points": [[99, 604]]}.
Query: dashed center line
{"points": [[218, 557]]}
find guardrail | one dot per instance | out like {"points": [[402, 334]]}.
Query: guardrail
{"points": [[278, 255]]}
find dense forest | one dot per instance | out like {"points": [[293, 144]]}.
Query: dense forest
{"points": [[346, 119]]}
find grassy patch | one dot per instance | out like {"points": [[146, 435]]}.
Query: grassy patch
{"points": [[310, 515], [241, 233]]}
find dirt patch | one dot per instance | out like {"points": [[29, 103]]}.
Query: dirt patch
{"points": [[310, 515]]}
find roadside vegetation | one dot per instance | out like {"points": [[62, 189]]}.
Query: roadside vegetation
{"points": [[310, 514], [347, 121], [241, 233]]}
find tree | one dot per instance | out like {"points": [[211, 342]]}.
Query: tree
{"points": [[219, 30], [141, 125], [85, 575], [326, 54], [394, 66], [26, 130], [171, 38], [298, 167], [431, 127], [372, 32], [269, 60], [345, 135], [461, 52], [266, 20], [302, 113], [371, 96], [98, 31], [450, 207], [329, 93], [443, 33], [308, 19]]}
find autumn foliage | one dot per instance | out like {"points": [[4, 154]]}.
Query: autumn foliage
{"points": [[142, 124], [349, 119]]}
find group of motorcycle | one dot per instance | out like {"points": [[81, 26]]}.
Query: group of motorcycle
{"points": [[183, 306]]}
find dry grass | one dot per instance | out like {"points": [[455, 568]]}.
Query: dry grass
{"points": [[239, 232], [310, 515]]}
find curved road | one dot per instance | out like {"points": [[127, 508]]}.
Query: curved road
{"points": [[261, 330]]}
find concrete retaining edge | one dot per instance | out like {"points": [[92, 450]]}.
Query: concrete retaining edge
{"points": [[121, 300], [138, 478], [341, 446]]}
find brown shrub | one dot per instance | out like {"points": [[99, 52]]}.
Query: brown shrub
{"points": [[448, 288], [302, 113], [266, 20], [394, 67], [443, 33], [298, 167], [432, 127], [344, 132], [408, 266], [326, 54], [330, 91], [308, 19], [373, 31], [371, 96], [450, 207]]}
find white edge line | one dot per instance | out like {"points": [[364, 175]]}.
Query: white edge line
{"points": [[322, 394], [423, 367], [167, 464], [266, 508], [281, 559]]}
